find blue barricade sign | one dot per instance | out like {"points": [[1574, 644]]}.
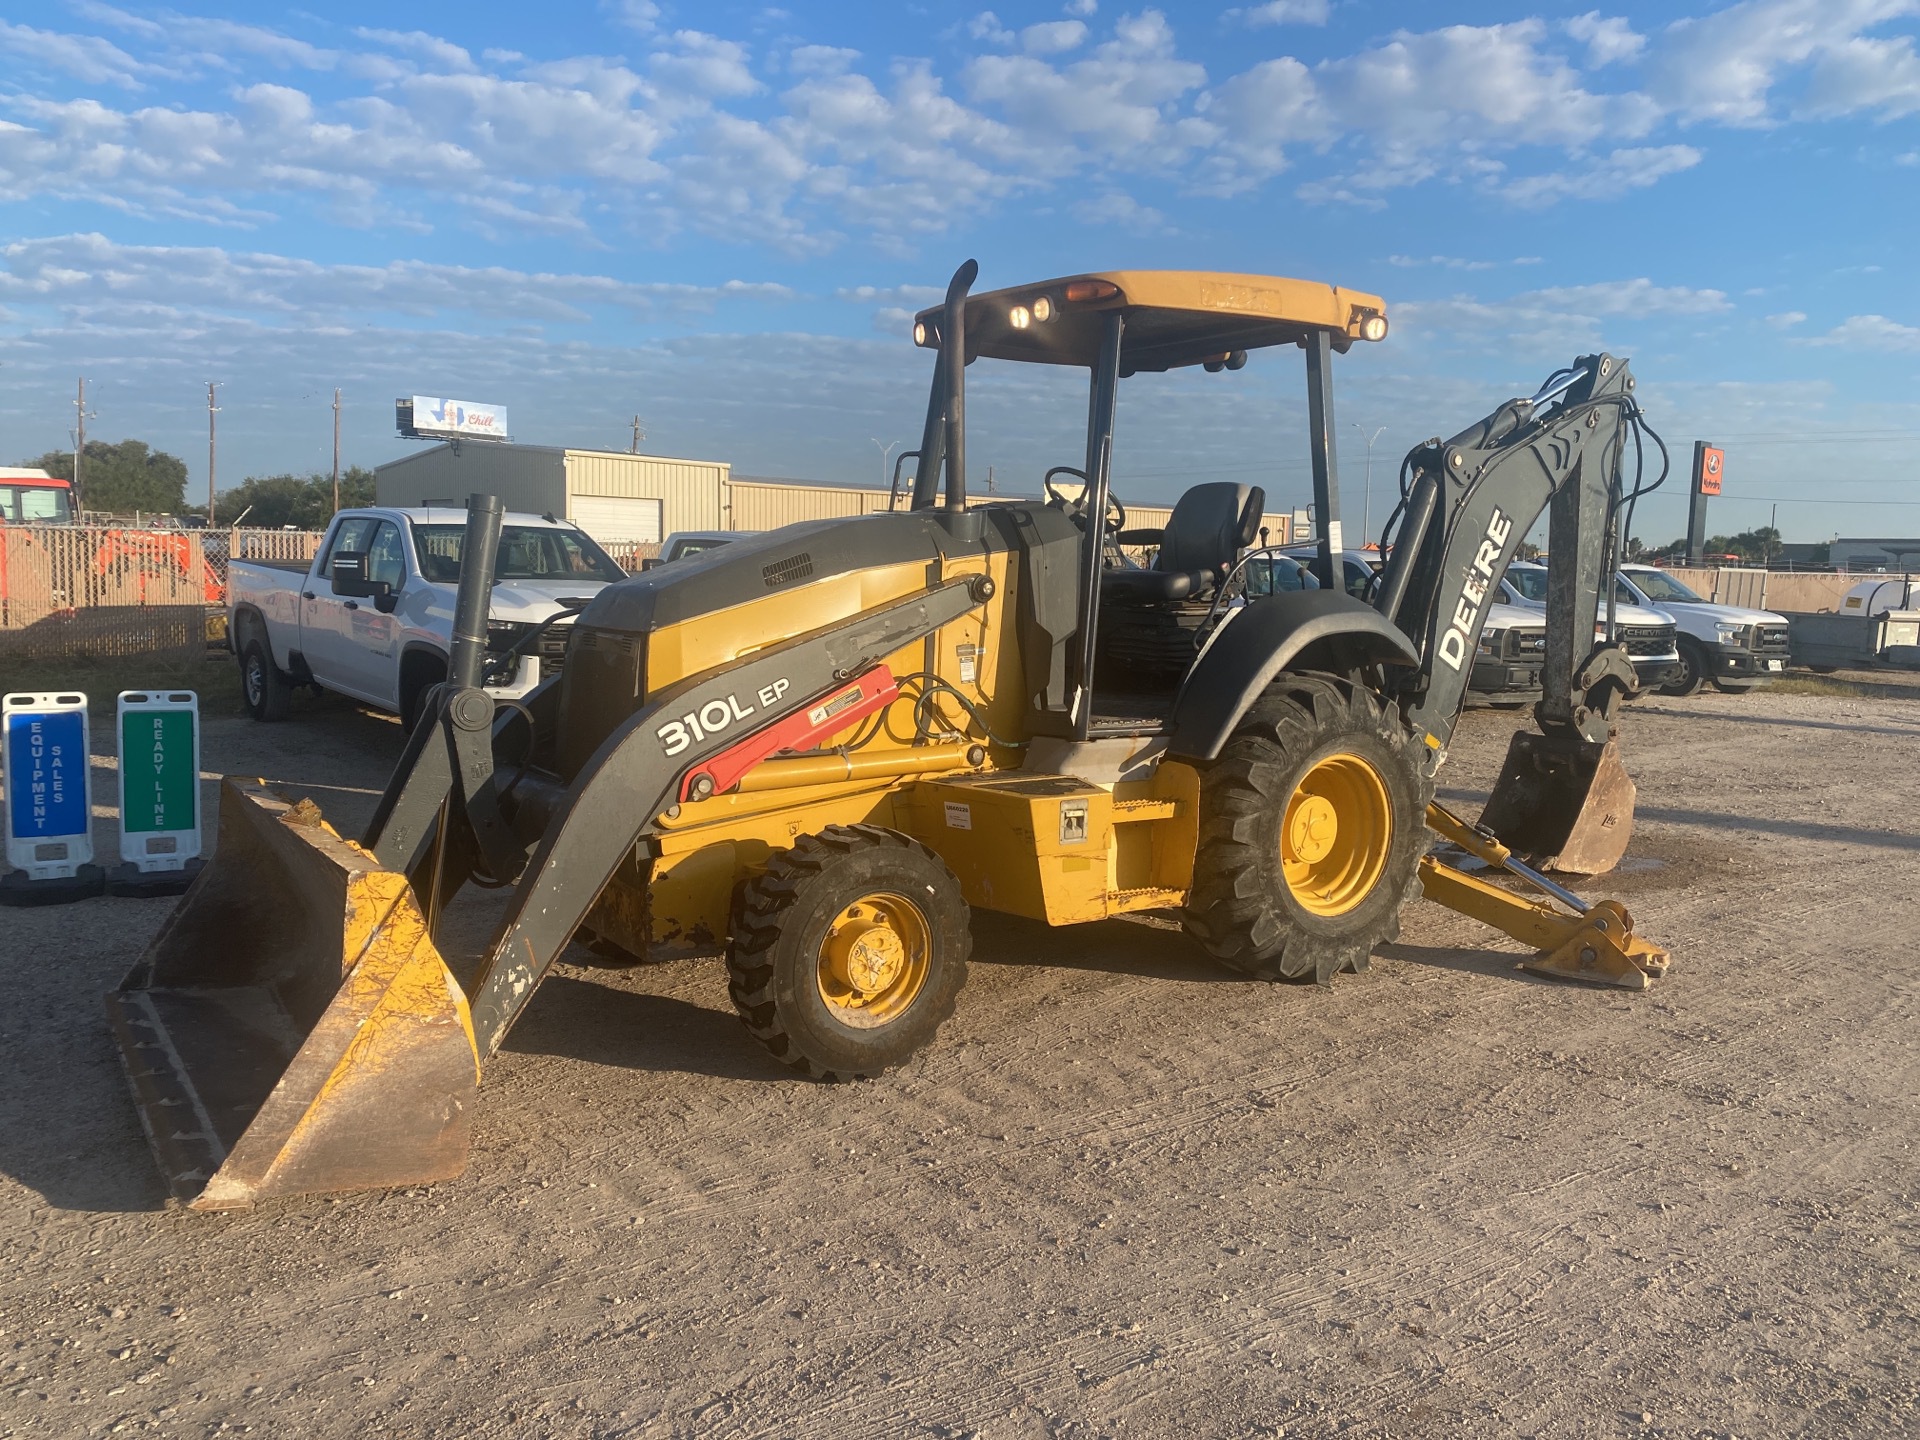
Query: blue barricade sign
{"points": [[49, 804]]}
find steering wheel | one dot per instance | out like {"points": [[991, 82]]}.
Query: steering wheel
{"points": [[1116, 517]]}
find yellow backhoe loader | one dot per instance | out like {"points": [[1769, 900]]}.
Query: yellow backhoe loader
{"points": [[817, 748]]}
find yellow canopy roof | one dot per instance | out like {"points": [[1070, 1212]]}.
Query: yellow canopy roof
{"points": [[1174, 317]]}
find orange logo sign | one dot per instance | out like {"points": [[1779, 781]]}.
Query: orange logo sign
{"points": [[1711, 461]]}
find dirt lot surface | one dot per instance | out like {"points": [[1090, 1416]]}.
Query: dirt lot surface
{"points": [[1125, 1194]]}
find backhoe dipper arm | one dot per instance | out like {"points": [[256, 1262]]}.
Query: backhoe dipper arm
{"points": [[636, 775], [1472, 501]]}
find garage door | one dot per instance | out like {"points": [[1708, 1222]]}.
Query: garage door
{"points": [[618, 520]]}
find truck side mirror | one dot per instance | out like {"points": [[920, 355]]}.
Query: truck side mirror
{"points": [[349, 573]]}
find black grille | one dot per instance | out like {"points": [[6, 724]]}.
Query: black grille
{"points": [[1647, 639], [1526, 642], [785, 572], [552, 648], [1770, 637]]}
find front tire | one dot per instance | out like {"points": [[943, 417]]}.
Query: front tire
{"points": [[1312, 825], [848, 951], [266, 687], [1693, 672]]}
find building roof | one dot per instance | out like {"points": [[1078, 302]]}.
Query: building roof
{"points": [[1174, 317], [517, 448]]}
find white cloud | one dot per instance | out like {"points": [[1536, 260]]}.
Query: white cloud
{"points": [[640, 15], [1452, 262], [1787, 319], [1286, 12], [986, 26], [92, 275], [1602, 178], [1082, 7], [442, 54], [1118, 210], [1911, 157], [918, 296], [1871, 332], [1630, 297], [1609, 39], [1724, 66], [1863, 74], [687, 136], [85, 57], [1054, 37]]}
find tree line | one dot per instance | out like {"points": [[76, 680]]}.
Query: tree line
{"points": [[129, 478]]}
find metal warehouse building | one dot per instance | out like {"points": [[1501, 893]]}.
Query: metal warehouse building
{"points": [[636, 500], [616, 498]]}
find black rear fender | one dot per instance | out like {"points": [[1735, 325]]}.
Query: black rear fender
{"points": [[1324, 630]]}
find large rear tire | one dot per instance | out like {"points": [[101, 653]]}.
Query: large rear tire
{"points": [[1312, 825], [848, 951], [267, 688]]}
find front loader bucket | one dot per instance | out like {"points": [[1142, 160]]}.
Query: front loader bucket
{"points": [[292, 1027], [1563, 804]]}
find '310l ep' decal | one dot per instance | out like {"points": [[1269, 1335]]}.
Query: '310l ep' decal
{"points": [[715, 716]]}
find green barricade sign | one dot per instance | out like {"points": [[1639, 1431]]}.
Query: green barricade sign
{"points": [[159, 778]]}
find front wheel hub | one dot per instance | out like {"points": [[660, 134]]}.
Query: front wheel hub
{"points": [[874, 960]]}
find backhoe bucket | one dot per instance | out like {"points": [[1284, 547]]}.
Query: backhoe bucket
{"points": [[1563, 804], [292, 1028]]}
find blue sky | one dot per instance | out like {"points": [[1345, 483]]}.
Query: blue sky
{"points": [[719, 216]]}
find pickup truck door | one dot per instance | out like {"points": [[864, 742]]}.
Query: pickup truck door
{"points": [[324, 616], [369, 664]]}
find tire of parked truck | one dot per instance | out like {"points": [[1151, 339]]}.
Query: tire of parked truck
{"points": [[417, 679], [1693, 671], [267, 688]]}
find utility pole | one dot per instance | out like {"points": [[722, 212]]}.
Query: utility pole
{"points": [[212, 410], [1366, 514], [336, 453], [79, 442], [639, 434]]}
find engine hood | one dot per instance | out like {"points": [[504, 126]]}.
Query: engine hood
{"points": [[1726, 614], [534, 600]]}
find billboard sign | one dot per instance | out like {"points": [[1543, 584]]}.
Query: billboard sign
{"points": [[430, 416], [49, 812], [159, 779]]}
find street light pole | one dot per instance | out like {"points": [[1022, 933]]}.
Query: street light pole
{"points": [[1366, 519], [886, 453], [336, 455], [212, 410]]}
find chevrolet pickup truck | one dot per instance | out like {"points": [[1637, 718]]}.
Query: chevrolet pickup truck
{"points": [[372, 616]]}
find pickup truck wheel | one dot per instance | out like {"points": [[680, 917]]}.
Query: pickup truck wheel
{"points": [[416, 685], [1691, 673], [268, 691]]}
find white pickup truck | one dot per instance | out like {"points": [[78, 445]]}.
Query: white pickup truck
{"points": [[372, 616]]}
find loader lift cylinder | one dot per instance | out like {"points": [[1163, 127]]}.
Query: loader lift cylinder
{"points": [[466, 666]]}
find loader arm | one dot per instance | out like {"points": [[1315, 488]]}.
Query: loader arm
{"points": [[637, 774]]}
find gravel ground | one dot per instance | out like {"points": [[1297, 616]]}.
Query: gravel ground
{"points": [[1125, 1194]]}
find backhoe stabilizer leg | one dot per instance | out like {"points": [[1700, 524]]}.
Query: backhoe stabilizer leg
{"points": [[1598, 947]]}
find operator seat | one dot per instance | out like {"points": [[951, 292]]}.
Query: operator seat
{"points": [[1210, 525]]}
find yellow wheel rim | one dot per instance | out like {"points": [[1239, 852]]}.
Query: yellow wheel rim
{"points": [[1336, 835], [874, 960]]}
